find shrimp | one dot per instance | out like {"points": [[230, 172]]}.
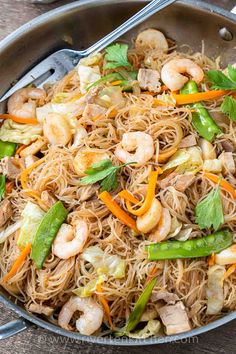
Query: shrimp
{"points": [[151, 218], [151, 39], [171, 73], [23, 103], [91, 319], [57, 129], [70, 241], [142, 142], [85, 158], [163, 227]]}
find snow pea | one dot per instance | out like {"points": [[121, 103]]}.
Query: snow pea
{"points": [[2, 185], [197, 247], [46, 233], [7, 148], [201, 119]]}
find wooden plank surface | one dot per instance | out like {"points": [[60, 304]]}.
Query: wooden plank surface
{"points": [[36, 340]]}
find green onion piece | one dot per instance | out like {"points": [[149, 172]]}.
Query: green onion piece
{"points": [[46, 233], [139, 307]]}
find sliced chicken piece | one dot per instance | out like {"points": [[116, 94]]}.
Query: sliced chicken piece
{"points": [[41, 309], [175, 318], [149, 79], [169, 298], [35, 147], [10, 167], [5, 211], [188, 141], [94, 111], [179, 182], [228, 146], [214, 166], [228, 162]]}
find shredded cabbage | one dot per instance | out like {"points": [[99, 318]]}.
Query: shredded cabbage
{"points": [[31, 218], [111, 96], [92, 59], [187, 160], [151, 329], [214, 291], [19, 133], [90, 287], [103, 263], [88, 75]]}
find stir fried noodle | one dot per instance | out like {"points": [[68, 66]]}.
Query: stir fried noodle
{"points": [[100, 112]]}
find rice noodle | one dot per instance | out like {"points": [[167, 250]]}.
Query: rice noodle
{"points": [[53, 285]]}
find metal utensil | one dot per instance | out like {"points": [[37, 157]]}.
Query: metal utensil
{"points": [[58, 64]]}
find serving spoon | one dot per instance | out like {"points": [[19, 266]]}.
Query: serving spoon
{"points": [[58, 64]]}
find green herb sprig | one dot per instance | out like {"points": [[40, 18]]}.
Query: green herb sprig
{"points": [[222, 82], [116, 55], [209, 212], [105, 173]]}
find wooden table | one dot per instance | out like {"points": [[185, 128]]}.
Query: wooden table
{"points": [[36, 340]]}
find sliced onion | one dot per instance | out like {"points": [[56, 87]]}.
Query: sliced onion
{"points": [[5, 233]]}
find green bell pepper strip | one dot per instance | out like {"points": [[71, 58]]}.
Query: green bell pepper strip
{"points": [[2, 185], [138, 310], [46, 233], [201, 119], [198, 247], [7, 148]]}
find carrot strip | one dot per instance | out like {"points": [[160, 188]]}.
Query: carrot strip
{"points": [[9, 186], [112, 113], [211, 259], [19, 119], [105, 305], [149, 196], [117, 82], [197, 97], [17, 263], [128, 196], [229, 271], [20, 148], [117, 211], [166, 154], [151, 275], [26, 172], [222, 182]]}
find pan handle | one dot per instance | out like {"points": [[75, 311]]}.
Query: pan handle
{"points": [[11, 328]]}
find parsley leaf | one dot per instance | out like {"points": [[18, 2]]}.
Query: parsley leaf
{"points": [[110, 182], [105, 172], [2, 185], [222, 82], [98, 166], [229, 107], [210, 211], [116, 56]]}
